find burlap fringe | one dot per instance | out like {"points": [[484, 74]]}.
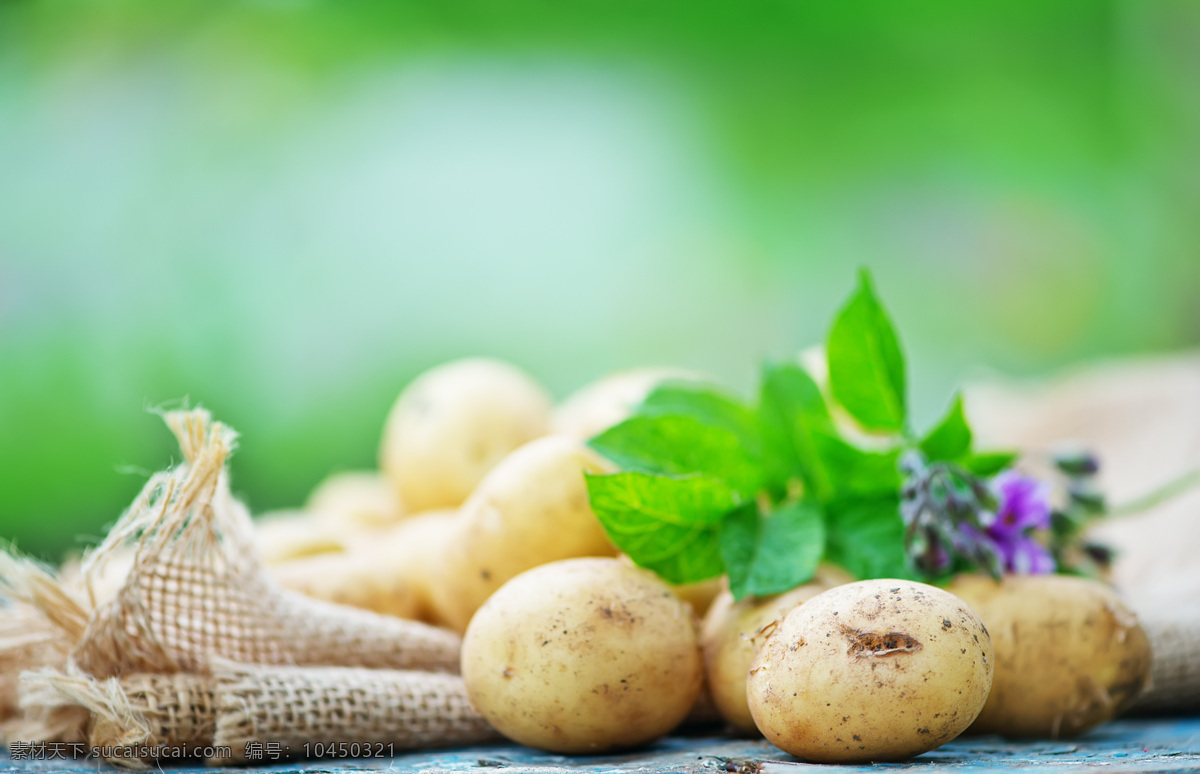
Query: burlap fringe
{"points": [[114, 659], [242, 713]]}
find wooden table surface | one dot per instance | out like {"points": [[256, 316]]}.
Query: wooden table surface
{"points": [[1141, 745]]}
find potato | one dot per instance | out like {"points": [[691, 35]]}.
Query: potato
{"points": [[583, 656], [455, 423], [878, 670], [354, 500], [730, 641], [390, 573], [531, 510], [1069, 654], [604, 403], [284, 536]]}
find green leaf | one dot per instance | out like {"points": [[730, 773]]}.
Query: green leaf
{"points": [[866, 365], [988, 463], [866, 538], [791, 409], [855, 472], [708, 404], [681, 446], [951, 439], [668, 525], [769, 555]]}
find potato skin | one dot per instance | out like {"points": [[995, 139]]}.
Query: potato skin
{"points": [[878, 670], [532, 509], [354, 500], [1069, 654], [388, 570], [730, 640], [453, 424], [285, 536], [583, 656]]}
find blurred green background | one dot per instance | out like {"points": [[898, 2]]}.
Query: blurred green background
{"points": [[286, 210]]}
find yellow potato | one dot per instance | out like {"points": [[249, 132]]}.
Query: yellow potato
{"points": [[530, 510], [390, 572], [734, 631], [878, 670], [455, 423], [604, 403], [583, 656], [354, 500], [1069, 654], [284, 536]]}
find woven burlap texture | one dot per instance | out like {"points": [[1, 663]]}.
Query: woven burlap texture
{"points": [[295, 707], [283, 711]]}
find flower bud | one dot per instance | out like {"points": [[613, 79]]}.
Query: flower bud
{"points": [[1088, 500], [1076, 462]]}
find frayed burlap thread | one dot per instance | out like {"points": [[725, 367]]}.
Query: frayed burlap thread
{"points": [[130, 722], [301, 709], [197, 589], [27, 641], [284, 711], [39, 623], [45, 715], [173, 713]]}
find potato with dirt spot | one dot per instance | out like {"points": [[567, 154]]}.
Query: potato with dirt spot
{"points": [[453, 424], [1069, 654], [878, 670], [531, 510], [732, 634], [583, 656]]}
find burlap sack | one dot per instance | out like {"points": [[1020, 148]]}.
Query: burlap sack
{"points": [[247, 714], [197, 590], [132, 663], [1142, 417]]}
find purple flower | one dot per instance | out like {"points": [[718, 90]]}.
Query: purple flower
{"points": [[1025, 556], [1024, 505]]}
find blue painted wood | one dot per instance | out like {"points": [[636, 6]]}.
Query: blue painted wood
{"points": [[1159, 745]]}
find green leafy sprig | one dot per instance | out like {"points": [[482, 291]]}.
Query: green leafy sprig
{"points": [[765, 490]]}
